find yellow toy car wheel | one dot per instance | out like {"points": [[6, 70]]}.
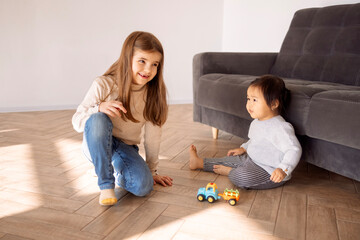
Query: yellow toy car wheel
{"points": [[232, 202], [200, 197], [211, 199]]}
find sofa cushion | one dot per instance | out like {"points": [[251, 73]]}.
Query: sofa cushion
{"points": [[227, 93], [322, 45], [339, 109], [302, 94]]}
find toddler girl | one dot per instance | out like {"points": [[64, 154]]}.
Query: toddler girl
{"points": [[272, 152], [130, 96]]}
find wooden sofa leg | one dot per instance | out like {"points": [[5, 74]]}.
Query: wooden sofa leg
{"points": [[215, 133]]}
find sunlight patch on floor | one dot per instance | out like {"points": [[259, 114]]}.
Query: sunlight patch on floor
{"points": [[9, 130], [11, 208]]}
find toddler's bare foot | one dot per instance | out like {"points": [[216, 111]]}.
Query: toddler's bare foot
{"points": [[222, 170], [195, 161]]}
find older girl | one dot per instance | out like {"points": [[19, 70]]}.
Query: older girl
{"points": [[130, 96]]}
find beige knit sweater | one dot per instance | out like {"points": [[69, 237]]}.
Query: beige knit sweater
{"points": [[127, 131]]}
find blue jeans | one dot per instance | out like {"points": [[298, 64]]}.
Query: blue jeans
{"points": [[113, 159]]}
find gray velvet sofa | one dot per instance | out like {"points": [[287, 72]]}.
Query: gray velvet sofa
{"points": [[320, 63]]}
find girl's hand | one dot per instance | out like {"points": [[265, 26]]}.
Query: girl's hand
{"points": [[162, 180], [236, 151], [278, 175], [112, 108]]}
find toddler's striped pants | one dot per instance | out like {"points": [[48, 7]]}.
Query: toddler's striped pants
{"points": [[245, 173]]}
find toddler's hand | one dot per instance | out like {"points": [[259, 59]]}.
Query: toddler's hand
{"points": [[112, 108], [236, 151], [278, 175]]}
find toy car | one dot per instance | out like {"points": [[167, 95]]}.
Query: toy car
{"points": [[211, 194], [230, 195]]}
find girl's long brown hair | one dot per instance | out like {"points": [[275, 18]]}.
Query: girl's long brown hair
{"points": [[156, 107]]}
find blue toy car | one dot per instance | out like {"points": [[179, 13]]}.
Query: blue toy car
{"points": [[210, 193]]}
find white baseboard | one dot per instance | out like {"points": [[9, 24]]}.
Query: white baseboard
{"points": [[37, 108], [184, 101], [67, 107]]}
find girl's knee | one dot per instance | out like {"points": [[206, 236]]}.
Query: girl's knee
{"points": [[98, 125], [143, 188], [140, 183], [142, 192], [98, 118]]}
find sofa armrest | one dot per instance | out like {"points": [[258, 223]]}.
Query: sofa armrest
{"points": [[229, 63], [232, 63]]}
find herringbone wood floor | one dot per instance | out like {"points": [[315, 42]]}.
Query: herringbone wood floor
{"points": [[47, 190]]}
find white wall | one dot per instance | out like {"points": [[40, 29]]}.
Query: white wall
{"points": [[51, 50], [261, 25]]}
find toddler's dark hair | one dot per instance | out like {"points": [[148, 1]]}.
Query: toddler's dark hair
{"points": [[273, 88]]}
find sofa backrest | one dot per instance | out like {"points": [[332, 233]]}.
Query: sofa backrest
{"points": [[322, 44]]}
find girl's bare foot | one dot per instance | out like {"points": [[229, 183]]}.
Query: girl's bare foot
{"points": [[195, 161], [222, 170]]}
